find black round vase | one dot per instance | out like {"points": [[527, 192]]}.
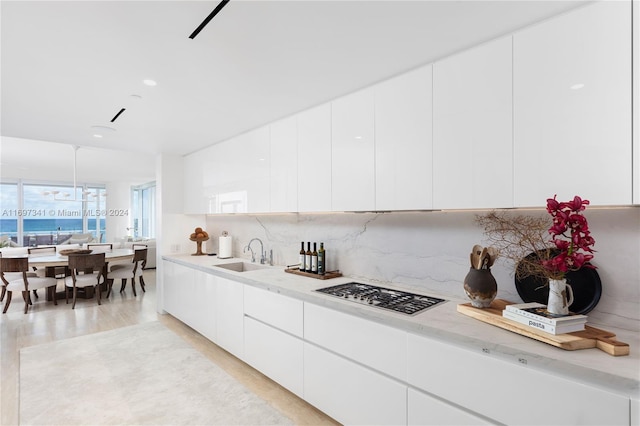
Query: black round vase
{"points": [[481, 287]]}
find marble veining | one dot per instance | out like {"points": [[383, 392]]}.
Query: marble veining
{"points": [[430, 251]]}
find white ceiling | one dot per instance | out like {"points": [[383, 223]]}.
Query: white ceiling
{"points": [[70, 65]]}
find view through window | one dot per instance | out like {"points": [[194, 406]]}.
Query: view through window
{"points": [[40, 214], [144, 211]]}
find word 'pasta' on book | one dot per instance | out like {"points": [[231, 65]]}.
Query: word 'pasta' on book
{"points": [[547, 328]]}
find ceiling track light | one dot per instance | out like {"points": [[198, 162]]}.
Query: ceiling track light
{"points": [[204, 23], [118, 114]]}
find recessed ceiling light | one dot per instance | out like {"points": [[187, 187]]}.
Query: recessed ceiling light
{"points": [[136, 97], [97, 136], [149, 82], [577, 86]]}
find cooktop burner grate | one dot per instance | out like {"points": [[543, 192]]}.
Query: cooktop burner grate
{"points": [[394, 300]]}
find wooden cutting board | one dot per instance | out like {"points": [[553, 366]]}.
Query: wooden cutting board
{"points": [[591, 337]]}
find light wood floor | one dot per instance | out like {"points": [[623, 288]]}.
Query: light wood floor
{"points": [[46, 322]]}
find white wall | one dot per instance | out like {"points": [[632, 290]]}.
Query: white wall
{"points": [[119, 199], [430, 250]]}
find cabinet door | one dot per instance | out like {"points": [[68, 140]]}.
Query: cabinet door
{"points": [[275, 354], [284, 165], [472, 128], [403, 142], [353, 152], [353, 337], [276, 310], [230, 316], [423, 409], [204, 311], [351, 393], [314, 159], [179, 288], [572, 107], [254, 168], [507, 391]]}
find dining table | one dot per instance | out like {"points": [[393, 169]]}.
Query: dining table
{"points": [[53, 261]]}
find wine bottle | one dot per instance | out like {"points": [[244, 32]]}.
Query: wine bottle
{"points": [[314, 260], [307, 260], [321, 260], [302, 257]]}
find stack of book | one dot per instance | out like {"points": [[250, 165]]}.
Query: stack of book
{"points": [[535, 315]]}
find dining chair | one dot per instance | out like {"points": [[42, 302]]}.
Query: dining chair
{"points": [[58, 271], [87, 270], [14, 274], [132, 270], [100, 247]]}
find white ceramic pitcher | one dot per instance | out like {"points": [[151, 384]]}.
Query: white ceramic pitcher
{"points": [[560, 297]]}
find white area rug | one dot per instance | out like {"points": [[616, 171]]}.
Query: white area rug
{"points": [[143, 374]]}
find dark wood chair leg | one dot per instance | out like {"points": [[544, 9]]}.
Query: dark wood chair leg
{"points": [[66, 293], [109, 286], [142, 284], [133, 286], [99, 291], [75, 293], [124, 284], [35, 293], [4, 291], [27, 300], [8, 302]]}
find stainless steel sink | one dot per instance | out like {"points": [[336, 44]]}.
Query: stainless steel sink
{"points": [[242, 266]]}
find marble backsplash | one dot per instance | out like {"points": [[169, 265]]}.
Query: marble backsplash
{"points": [[430, 251]]}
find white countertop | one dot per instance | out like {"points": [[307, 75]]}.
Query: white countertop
{"points": [[443, 322]]}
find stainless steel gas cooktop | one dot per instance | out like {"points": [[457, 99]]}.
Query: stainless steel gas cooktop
{"points": [[394, 300]]}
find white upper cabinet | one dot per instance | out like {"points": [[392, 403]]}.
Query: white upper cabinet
{"points": [[284, 165], [472, 128], [236, 179], [403, 143], [314, 159], [353, 152], [572, 107], [254, 170]]}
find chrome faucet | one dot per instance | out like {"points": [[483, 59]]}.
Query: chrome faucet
{"points": [[262, 252]]}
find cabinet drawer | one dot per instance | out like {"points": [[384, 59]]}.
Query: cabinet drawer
{"points": [[351, 393], [275, 354], [509, 393], [423, 409], [279, 311], [378, 346]]}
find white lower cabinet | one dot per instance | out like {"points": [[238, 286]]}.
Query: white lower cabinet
{"points": [[506, 392], [378, 346], [350, 393], [273, 336], [275, 354], [205, 297], [179, 287], [230, 316], [635, 412], [423, 409]]}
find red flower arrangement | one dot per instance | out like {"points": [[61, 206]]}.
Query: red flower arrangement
{"points": [[571, 237], [524, 239]]}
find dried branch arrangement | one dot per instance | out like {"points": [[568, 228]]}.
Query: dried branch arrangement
{"points": [[516, 237]]}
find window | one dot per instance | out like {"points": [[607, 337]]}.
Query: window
{"points": [[41, 214], [9, 211], [144, 211]]}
